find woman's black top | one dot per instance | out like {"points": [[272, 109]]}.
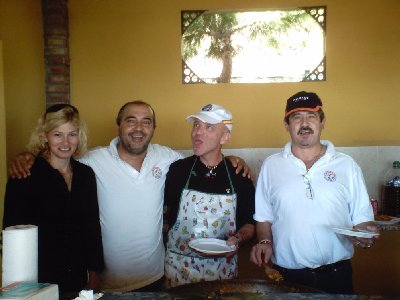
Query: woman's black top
{"points": [[69, 234]]}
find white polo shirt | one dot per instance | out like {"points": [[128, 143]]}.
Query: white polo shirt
{"points": [[131, 211], [302, 227]]}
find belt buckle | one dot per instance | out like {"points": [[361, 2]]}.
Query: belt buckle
{"points": [[319, 269], [323, 268], [331, 267]]}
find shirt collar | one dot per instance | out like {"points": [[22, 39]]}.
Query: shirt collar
{"points": [[330, 149]]}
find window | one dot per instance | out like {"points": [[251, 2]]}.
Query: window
{"points": [[253, 46]]}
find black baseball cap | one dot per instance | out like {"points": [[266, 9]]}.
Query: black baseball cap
{"points": [[308, 101]]}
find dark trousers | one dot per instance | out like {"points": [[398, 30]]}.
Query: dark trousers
{"points": [[156, 286], [333, 278]]}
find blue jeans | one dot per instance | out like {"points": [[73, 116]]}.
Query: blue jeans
{"points": [[333, 278]]}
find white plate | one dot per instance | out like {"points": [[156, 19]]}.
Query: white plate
{"points": [[211, 246], [355, 232], [392, 221]]}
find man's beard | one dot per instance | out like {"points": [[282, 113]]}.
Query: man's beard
{"points": [[133, 148]]}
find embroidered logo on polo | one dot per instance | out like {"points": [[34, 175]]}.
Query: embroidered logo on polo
{"points": [[330, 176], [157, 173]]}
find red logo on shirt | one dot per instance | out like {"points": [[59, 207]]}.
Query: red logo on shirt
{"points": [[330, 176], [157, 173]]}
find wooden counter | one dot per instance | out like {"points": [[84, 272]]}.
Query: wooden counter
{"points": [[376, 271]]}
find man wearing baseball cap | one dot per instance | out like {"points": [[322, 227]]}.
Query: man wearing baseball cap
{"points": [[213, 114], [206, 199], [304, 192]]}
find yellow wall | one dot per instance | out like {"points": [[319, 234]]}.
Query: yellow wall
{"points": [[3, 173], [123, 50], [23, 63], [132, 50]]}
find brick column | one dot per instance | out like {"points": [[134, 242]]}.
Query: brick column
{"points": [[56, 51]]}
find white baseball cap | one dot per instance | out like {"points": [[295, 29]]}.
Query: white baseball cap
{"points": [[213, 114]]}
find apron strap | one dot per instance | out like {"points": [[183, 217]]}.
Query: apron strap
{"points": [[229, 177], [190, 173]]}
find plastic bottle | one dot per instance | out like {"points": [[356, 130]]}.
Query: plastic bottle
{"points": [[391, 191]]}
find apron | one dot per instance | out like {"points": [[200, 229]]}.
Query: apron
{"points": [[201, 215]]}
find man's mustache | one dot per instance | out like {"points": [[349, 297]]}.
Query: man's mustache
{"points": [[305, 129]]}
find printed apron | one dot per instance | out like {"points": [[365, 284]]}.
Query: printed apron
{"points": [[200, 215]]}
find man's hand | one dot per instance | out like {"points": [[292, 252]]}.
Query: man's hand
{"points": [[244, 234], [260, 254], [233, 241], [240, 165], [365, 243], [21, 164]]}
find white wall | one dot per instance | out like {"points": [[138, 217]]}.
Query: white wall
{"points": [[373, 160]]}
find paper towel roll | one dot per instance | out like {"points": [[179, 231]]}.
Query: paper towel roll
{"points": [[20, 254]]}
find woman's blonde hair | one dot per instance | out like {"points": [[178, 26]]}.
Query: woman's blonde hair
{"points": [[55, 116]]}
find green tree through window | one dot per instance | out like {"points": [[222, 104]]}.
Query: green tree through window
{"points": [[254, 46]]}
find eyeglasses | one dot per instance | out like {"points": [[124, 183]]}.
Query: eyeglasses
{"points": [[309, 189]]}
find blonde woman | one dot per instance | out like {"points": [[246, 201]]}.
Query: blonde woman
{"points": [[60, 197]]}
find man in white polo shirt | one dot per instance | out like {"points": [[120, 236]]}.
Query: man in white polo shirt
{"points": [[304, 192], [130, 175]]}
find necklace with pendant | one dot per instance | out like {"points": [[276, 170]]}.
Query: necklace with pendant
{"points": [[210, 171]]}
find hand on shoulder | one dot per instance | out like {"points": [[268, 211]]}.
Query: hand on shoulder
{"points": [[21, 164], [240, 166]]}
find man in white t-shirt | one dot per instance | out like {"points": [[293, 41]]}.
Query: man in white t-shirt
{"points": [[130, 175], [304, 192]]}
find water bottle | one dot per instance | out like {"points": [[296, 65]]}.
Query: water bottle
{"points": [[391, 191]]}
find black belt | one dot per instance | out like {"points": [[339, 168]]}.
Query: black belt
{"points": [[330, 267], [323, 268]]}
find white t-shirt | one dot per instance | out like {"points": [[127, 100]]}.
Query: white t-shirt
{"points": [[131, 210], [301, 226]]}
